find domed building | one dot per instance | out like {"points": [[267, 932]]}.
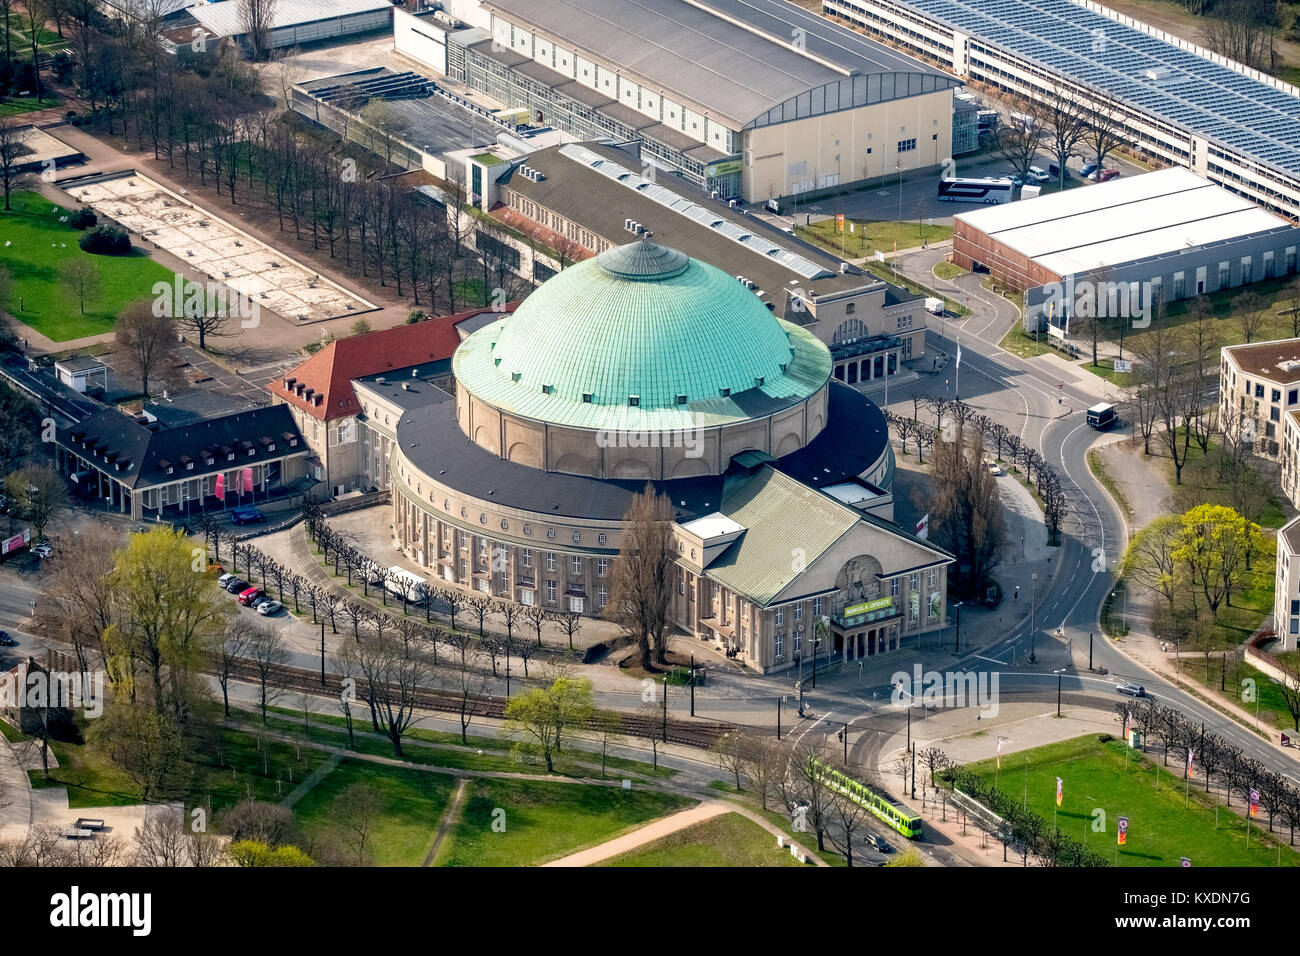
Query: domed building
{"points": [[640, 366]]}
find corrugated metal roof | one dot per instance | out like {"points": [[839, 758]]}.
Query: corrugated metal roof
{"points": [[740, 58], [224, 19], [1121, 221]]}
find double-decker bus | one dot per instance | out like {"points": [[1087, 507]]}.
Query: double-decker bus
{"points": [[894, 815], [988, 191]]}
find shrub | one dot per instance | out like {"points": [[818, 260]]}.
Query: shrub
{"points": [[61, 66], [106, 241], [84, 218]]}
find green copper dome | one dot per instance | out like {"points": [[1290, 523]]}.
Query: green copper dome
{"points": [[645, 328]]}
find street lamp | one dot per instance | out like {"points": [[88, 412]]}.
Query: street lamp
{"points": [[1058, 673], [1032, 608], [957, 643]]}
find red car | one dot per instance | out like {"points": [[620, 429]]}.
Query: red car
{"points": [[1107, 174], [250, 597]]}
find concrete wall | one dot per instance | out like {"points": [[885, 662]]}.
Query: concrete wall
{"points": [[800, 156]]}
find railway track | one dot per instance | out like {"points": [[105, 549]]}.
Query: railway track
{"points": [[301, 680]]}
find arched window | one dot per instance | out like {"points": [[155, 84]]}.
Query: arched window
{"points": [[849, 331]]}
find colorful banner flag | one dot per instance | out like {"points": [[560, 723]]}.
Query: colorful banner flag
{"points": [[1254, 802], [1123, 831], [839, 221], [220, 489], [958, 355], [248, 479], [1191, 757], [923, 527], [1060, 790], [999, 753], [1124, 734]]}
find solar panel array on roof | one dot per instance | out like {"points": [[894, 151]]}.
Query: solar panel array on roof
{"points": [[684, 207], [1093, 50]]}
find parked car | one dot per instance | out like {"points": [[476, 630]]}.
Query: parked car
{"points": [[1038, 176], [1088, 170], [1132, 690], [226, 579], [1015, 179], [236, 585], [881, 844], [43, 550], [6, 640], [1108, 174], [246, 516], [268, 607], [250, 596], [994, 468]]}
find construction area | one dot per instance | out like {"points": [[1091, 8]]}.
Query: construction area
{"points": [[215, 248]]}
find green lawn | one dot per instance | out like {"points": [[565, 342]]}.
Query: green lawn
{"points": [[470, 293], [410, 805], [1269, 705], [1105, 368], [1161, 828], [545, 821], [946, 270], [224, 770], [1204, 484], [885, 271], [1019, 342], [870, 235], [728, 840], [17, 105], [34, 245]]}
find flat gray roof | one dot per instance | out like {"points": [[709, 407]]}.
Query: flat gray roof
{"points": [[738, 58], [224, 19], [1123, 220]]}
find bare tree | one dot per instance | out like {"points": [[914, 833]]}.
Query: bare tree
{"points": [[230, 654], [13, 151], [642, 582], [1243, 30], [1251, 311], [1065, 121], [1021, 137], [1104, 132], [268, 655], [256, 18], [147, 344]]}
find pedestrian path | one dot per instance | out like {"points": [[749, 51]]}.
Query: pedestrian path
{"points": [[313, 778]]}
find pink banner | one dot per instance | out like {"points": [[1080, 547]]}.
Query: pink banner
{"points": [[220, 489], [248, 479]]}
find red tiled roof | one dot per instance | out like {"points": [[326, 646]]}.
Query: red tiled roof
{"points": [[322, 385]]}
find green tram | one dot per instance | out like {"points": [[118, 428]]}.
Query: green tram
{"points": [[895, 815]]}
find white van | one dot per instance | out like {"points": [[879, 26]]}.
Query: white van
{"points": [[934, 306], [1038, 175]]}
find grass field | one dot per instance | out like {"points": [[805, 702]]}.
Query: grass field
{"points": [[1203, 484], [1164, 824], [728, 840], [222, 771], [410, 805], [34, 245], [545, 821], [1269, 704], [946, 270], [1019, 342], [17, 105], [871, 235], [1105, 368]]}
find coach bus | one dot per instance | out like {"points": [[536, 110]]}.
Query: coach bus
{"points": [[988, 191]]}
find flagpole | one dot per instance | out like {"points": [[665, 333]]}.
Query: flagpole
{"points": [[957, 377]]}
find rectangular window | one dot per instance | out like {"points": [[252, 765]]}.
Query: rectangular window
{"points": [[550, 592], [575, 605], [817, 606], [913, 581], [526, 557], [575, 564], [798, 612], [602, 566], [778, 646], [934, 577], [779, 618], [526, 597], [798, 640], [893, 587], [550, 561], [602, 595]]}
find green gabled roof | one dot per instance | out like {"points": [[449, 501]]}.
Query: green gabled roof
{"points": [[646, 321], [780, 515]]}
